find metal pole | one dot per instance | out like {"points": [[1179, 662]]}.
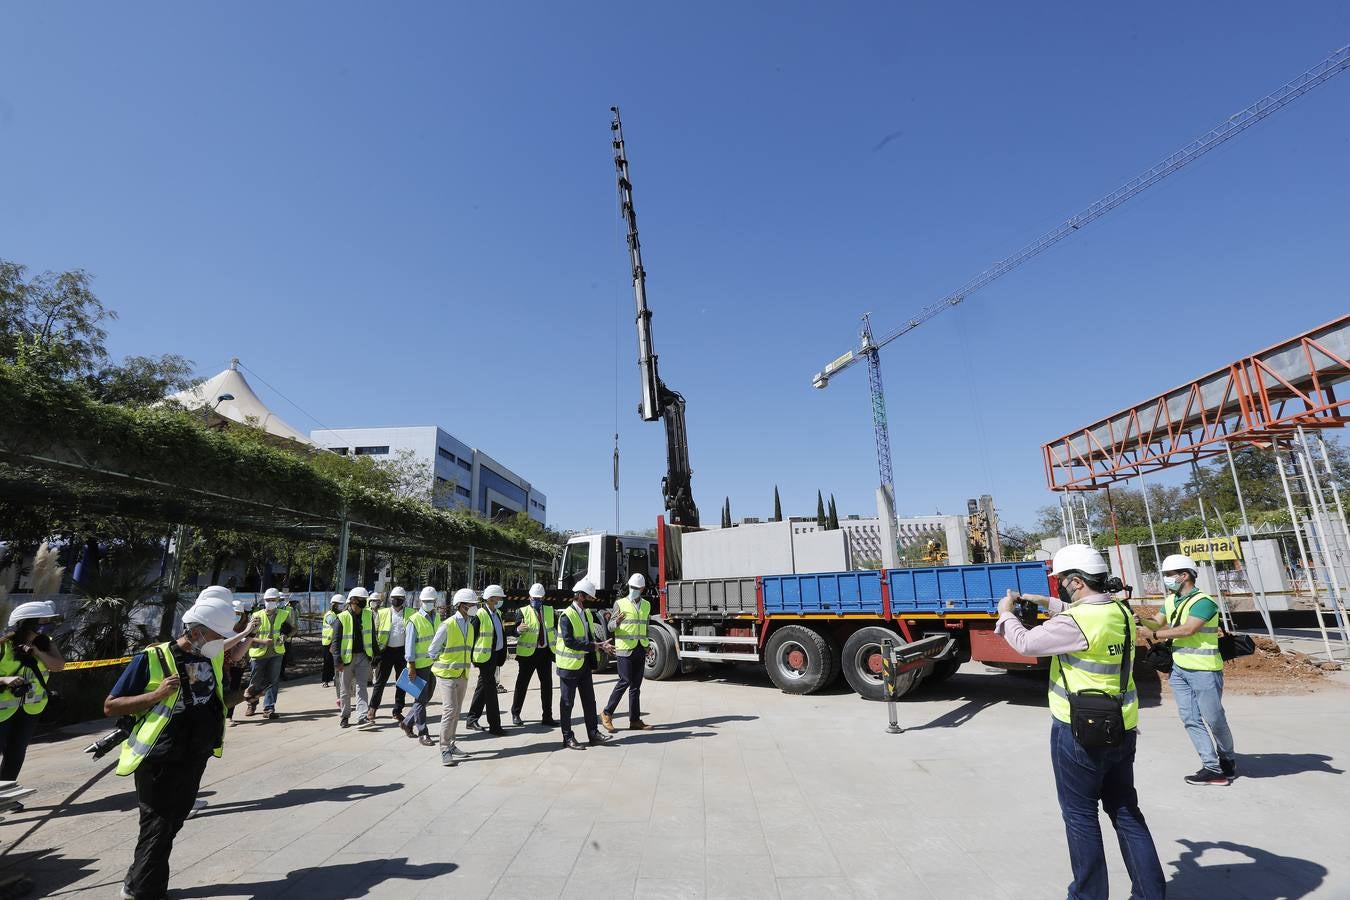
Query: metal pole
{"points": [[1252, 567], [1204, 524], [1073, 524], [1302, 551], [888, 675], [1087, 520], [1064, 520], [471, 568], [1318, 505], [1336, 493], [1148, 514], [340, 570]]}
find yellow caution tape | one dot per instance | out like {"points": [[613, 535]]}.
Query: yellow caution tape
{"points": [[96, 663]]}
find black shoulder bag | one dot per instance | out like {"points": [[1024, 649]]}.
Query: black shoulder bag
{"points": [[1159, 654], [1096, 717]]}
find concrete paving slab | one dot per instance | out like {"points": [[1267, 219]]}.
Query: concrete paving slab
{"points": [[739, 791]]}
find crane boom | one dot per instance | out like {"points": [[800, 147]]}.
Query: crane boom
{"points": [[1234, 125], [658, 401]]}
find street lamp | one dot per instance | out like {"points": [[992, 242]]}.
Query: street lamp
{"points": [[206, 411]]}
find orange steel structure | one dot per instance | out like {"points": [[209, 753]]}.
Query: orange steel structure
{"points": [[1256, 399]]}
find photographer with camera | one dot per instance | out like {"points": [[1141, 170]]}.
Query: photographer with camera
{"points": [[1095, 712], [27, 654], [174, 694]]}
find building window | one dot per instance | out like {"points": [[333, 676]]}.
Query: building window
{"points": [[373, 451], [440, 480], [462, 491], [445, 454], [340, 451], [464, 464]]}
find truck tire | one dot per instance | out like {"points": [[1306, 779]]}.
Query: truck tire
{"points": [[662, 663], [800, 661], [861, 661]]}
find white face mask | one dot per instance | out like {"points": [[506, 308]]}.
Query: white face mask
{"points": [[209, 649], [429, 607], [634, 593], [270, 605], [1172, 584]]}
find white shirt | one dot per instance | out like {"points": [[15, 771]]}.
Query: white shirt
{"points": [[398, 628]]}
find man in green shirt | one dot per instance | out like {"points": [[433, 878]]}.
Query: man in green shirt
{"points": [[1190, 620]]}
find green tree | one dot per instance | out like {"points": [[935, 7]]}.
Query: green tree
{"points": [[777, 506], [820, 511], [726, 513], [834, 515]]}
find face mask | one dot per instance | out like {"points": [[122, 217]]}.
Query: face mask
{"points": [[208, 649], [429, 608], [634, 593], [270, 605], [1065, 595], [398, 604], [46, 628], [1172, 584]]}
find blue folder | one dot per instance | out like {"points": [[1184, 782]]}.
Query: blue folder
{"points": [[413, 686]]}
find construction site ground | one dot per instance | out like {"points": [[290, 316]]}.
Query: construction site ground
{"points": [[739, 791]]}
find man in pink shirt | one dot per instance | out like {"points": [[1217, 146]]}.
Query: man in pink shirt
{"points": [[1086, 638]]}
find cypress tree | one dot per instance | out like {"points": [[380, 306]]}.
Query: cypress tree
{"points": [[834, 515], [777, 506], [820, 511]]}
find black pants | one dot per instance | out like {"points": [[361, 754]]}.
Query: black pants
{"points": [[631, 669], [570, 684], [329, 673], [165, 791], [541, 662], [485, 695], [15, 733], [391, 660]]}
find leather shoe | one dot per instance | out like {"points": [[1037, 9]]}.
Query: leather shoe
{"points": [[570, 743], [517, 721], [639, 725], [499, 732], [473, 725], [551, 723], [608, 721], [407, 729], [597, 737]]}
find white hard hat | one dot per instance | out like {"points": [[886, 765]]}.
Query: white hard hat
{"points": [[638, 581], [33, 609], [1078, 558], [272, 594], [537, 590], [216, 590], [466, 595], [336, 598], [493, 592], [397, 592], [584, 586], [358, 592], [429, 594], [376, 596], [1178, 561], [214, 612]]}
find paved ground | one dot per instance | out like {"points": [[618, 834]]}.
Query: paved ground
{"points": [[741, 792]]}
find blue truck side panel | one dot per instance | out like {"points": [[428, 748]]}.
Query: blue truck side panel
{"points": [[929, 590]]}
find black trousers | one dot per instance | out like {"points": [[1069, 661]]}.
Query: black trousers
{"points": [[570, 684], [329, 672], [540, 662], [165, 791], [15, 733], [391, 660], [485, 695], [631, 669]]}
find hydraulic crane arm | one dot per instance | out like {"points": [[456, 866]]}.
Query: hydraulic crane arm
{"points": [[1234, 125], [658, 401]]}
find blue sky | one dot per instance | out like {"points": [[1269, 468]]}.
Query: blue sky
{"points": [[405, 214]]}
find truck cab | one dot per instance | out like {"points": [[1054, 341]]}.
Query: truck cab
{"points": [[609, 560]]}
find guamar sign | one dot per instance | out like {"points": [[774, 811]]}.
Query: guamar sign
{"points": [[1212, 549]]}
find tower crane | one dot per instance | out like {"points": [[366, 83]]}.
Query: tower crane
{"points": [[869, 347]]}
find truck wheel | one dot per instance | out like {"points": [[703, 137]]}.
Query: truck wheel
{"points": [[862, 663], [662, 663], [799, 660]]}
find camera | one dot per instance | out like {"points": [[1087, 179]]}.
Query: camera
{"points": [[1026, 612], [101, 747]]}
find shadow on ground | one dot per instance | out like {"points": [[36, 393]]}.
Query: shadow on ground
{"points": [[300, 797], [346, 880], [1274, 765], [47, 870], [1262, 876]]}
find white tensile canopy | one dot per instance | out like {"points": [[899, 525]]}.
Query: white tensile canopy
{"points": [[245, 408]]}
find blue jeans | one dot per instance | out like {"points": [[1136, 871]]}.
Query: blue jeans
{"points": [[1105, 775], [1200, 703], [266, 674]]}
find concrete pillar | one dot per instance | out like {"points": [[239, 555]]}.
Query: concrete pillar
{"points": [[886, 521], [1267, 560], [1131, 572], [958, 544]]}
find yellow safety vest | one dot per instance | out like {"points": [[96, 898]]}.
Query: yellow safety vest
{"points": [[569, 660], [384, 621], [1200, 651], [527, 635], [269, 626], [423, 629], [1106, 627], [35, 700], [328, 619], [367, 634], [487, 636], [151, 723], [453, 661], [632, 631]]}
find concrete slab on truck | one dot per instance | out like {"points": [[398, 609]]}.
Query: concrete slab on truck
{"points": [[739, 791]]}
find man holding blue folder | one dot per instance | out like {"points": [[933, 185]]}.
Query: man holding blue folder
{"points": [[417, 680]]}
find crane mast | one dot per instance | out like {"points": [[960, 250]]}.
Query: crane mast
{"points": [[658, 401]]}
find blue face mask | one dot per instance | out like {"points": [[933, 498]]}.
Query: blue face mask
{"points": [[46, 628], [1172, 584]]}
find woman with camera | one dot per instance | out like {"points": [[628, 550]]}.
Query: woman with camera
{"points": [[27, 654]]}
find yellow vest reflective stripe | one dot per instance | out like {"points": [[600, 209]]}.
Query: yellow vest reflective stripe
{"points": [[151, 723], [527, 635], [328, 619], [269, 626], [33, 702], [1200, 651], [569, 660], [633, 629], [384, 623], [367, 634], [423, 630], [1098, 667], [487, 636], [453, 661]]}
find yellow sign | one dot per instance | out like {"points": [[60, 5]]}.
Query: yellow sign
{"points": [[1212, 549], [95, 663]]}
